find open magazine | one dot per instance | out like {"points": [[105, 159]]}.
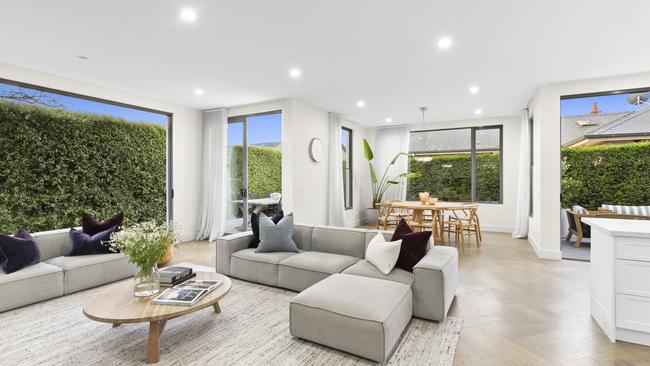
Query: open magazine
{"points": [[173, 296], [199, 285], [186, 293]]}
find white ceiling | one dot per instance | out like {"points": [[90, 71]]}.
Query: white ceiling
{"points": [[381, 51]]}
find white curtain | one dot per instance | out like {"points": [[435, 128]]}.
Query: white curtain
{"points": [[213, 185], [523, 187], [335, 201], [390, 142]]}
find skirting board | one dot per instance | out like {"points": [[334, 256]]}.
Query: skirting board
{"points": [[544, 253], [497, 229]]}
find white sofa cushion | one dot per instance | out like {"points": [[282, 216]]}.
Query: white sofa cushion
{"points": [[383, 254]]}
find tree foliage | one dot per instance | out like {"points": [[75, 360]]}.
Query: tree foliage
{"points": [[449, 178], [56, 165], [606, 174], [264, 171]]}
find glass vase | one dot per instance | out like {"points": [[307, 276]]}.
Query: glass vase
{"points": [[147, 281]]}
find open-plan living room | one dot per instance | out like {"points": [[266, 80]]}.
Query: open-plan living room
{"points": [[324, 183]]}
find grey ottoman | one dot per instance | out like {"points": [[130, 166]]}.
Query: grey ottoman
{"points": [[360, 315]]}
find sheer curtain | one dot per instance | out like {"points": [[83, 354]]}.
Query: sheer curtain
{"points": [[213, 185], [523, 187], [335, 201], [390, 142]]}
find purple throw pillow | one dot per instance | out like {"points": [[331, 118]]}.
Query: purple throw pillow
{"points": [[84, 244], [255, 225], [18, 251], [91, 226], [414, 245]]}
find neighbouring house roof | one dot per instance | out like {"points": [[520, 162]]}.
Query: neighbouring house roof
{"points": [[605, 125], [455, 140]]}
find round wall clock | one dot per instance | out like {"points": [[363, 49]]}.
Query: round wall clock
{"points": [[316, 149]]}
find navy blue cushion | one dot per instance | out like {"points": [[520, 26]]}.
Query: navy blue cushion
{"points": [[91, 226], [19, 251], [83, 244], [255, 225]]}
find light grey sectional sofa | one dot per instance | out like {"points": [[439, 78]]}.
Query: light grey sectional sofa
{"points": [[57, 275], [329, 250]]}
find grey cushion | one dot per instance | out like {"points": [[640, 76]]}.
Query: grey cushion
{"points": [[29, 285], [338, 240], [360, 315], [305, 269], [367, 269], [53, 243], [435, 283], [276, 237], [262, 268], [86, 271], [302, 235]]}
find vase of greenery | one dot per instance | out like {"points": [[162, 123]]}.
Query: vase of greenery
{"points": [[380, 186], [145, 244]]}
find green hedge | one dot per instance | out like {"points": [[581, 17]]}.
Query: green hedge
{"points": [[606, 174], [448, 177], [56, 165], [264, 167]]}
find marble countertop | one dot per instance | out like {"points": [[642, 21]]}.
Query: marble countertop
{"points": [[617, 227]]}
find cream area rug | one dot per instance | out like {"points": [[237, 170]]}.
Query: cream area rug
{"points": [[252, 329]]}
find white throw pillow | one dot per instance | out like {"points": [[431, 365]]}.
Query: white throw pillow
{"points": [[383, 254]]}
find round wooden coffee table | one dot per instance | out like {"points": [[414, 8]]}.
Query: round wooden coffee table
{"points": [[116, 304]]}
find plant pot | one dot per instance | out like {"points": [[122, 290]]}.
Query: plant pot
{"points": [[147, 281], [168, 256], [372, 214]]}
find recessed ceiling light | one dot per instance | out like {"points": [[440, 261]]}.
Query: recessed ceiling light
{"points": [[389, 120], [361, 104], [82, 57], [295, 73], [444, 43], [188, 15], [473, 89], [198, 91], [478, 111]]}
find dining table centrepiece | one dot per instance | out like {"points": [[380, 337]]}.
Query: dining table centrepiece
{"points": [[146, 244]]}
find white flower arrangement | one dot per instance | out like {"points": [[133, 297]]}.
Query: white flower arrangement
{"points": [[145, 243]]}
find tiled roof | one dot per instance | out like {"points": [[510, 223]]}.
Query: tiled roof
{"points": [[456, 140], [629, 123]]}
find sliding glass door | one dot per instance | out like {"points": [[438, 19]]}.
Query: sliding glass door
{"points": [[254, 167]]}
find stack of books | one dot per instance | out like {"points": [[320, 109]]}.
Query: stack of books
{"points": [[187, 293], [172, 276]]}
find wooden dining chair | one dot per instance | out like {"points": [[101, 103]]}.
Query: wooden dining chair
{"points": [[464, 221]]}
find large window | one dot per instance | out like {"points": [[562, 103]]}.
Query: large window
{"points": [[63, 154], [254, 167], [462, 164], [346, 146]]}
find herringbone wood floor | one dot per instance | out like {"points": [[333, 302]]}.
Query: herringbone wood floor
{"points": [[518, 309]]}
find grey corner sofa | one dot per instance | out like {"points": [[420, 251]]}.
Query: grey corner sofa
{"points": [[57, 275], [329, 250]]}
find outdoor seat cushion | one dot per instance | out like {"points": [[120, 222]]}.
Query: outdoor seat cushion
{"points": [[35, 283], [367, 269], [305, 269], [86, 271], [360, 315], [257, 267]]}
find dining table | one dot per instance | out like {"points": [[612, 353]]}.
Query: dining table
{"points": [[437, 210]]}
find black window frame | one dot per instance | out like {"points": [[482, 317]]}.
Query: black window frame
{"points": [[350, 179], [170, 130], [472, 152]]}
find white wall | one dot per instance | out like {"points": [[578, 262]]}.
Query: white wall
{"points": [[186, 134], [304, 183], [545, 224], [495, 217]]}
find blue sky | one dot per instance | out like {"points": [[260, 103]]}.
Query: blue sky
{"points": [[89, 106], [606, 103], [261, 129]]}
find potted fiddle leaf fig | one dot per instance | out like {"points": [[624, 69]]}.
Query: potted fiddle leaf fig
{"points": [[380, 186]]}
